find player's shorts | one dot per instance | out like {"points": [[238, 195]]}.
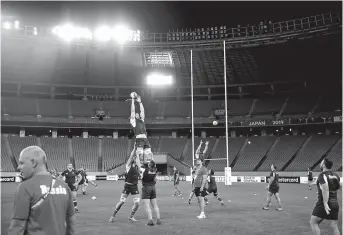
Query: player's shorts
{"points": [[198, 193], [319, 211], [149, 192], [82, 182], [130, 189], [274, 190], [72, 187], [310, 179], [177, 182], [213, 190], [142, 143]]}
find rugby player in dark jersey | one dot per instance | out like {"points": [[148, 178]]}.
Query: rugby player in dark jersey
{"points": [[327, 207], [137, 120], [192, 193], [176, 179], [309, 178], [212, 188], [84, 181], [149, 192], [72, 178], [273, 188], [130, 187]]}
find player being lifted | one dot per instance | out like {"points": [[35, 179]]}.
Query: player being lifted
{"points": [[130, 187], [198, 154], [212, 188], [72, 178], [137, 120]]}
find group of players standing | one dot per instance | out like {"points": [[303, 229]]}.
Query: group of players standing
{"points": [[75, 179], [141, 163]]}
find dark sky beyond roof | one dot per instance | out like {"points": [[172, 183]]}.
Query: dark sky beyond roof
{"points": [[161, 16]]}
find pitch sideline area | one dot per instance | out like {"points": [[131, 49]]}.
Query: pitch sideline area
{"points": [[242, 215]]}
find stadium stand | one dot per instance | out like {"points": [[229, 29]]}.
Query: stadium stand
{"points": [[19, 143], [114, 152], [86, 153], [19, 106], [268, 105], [53, 108], [312, 152], [6, 163], [300, 104], [235, 144], [56, 150], [253, 153], [173, 146], [334, 155], [284, 149]]}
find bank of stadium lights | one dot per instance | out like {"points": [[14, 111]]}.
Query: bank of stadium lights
{"points": [[156, 79], [10, 25], [120, 34], [69, 32]]}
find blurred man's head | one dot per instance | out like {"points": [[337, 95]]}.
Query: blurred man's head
{"points": [[70, 166], [32, 160], [174, 168], [199, 161], [326, 165], [273, 167]]}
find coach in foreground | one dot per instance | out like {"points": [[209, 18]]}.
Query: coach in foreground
{"points": [[42, 203], [327, 206]]}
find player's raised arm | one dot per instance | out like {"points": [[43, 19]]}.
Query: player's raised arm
{"points": [[131, 159], [133, 113], [139, 100], [206, 148], [197, 152]]}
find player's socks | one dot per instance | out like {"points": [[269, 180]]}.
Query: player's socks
{"points": [[75, 205], [158, 221], [134, 209], [118, 206]]}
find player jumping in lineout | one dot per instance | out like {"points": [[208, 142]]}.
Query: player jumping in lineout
{"points": [[198, 154], [130, 187], [137, 120]]}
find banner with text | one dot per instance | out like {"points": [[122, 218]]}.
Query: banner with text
{"points": [[287, 179]]}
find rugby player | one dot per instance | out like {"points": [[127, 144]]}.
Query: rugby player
{"points": [[84, 181], [149, 192], [192, 193], [273, 188], [130, 187], [200, 182], [327, 207], [309, 178], [198, 153], [212, 187], [137, 120], [176, 177], [72, 178]]}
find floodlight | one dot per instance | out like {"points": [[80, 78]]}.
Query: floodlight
{"points": [[7, 25], [121, 34], [103, 33], [35, 31], [16, 24], [159, 79]]}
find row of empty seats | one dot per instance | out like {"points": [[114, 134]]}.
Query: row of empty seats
{"points": [[294, 153], [16, 106]]}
